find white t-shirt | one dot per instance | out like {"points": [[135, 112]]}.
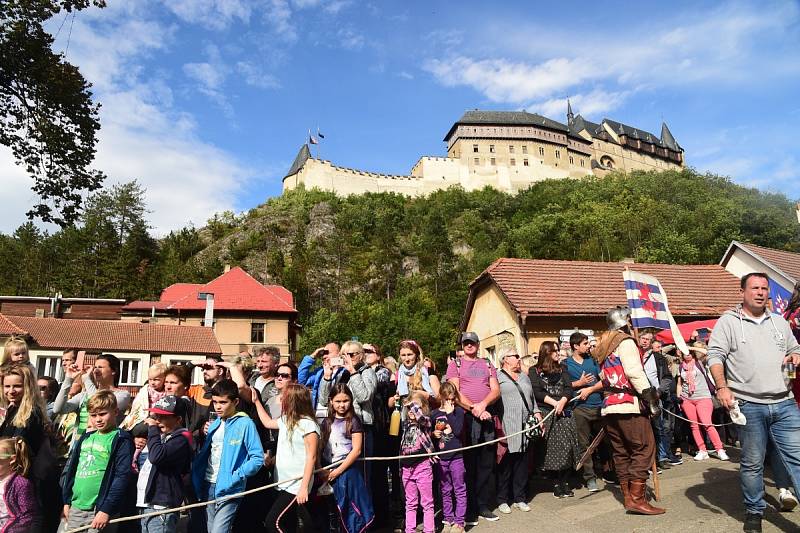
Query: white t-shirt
{"points": [[3, 507], [141, 483], [290, 458], [260, 383], [215, 455]]}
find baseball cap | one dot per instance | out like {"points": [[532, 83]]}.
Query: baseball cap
{"points": [[169, 405], [470, 336]]}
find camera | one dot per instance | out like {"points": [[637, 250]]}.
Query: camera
{"points": [[323, 352]]}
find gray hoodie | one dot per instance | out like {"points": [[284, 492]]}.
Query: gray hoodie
{"points": [[753, 354]]}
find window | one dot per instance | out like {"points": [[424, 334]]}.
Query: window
{"points": [[493, 161], [491, 148], [524, 148], [541, 151], [50, 366], [571, 160], [558, 154], [581, 161], [129, 372], [513, 162], [257, 332], [475, 148], [525, 162], [510, 148], [477, 161]]}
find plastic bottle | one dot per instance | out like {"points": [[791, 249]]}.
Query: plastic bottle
{"points": [[394, 423]]}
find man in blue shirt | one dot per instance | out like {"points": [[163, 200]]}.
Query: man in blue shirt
{"points": [[584, 375]]}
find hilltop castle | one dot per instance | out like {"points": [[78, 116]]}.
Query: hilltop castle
{"points": [[507, 150]]}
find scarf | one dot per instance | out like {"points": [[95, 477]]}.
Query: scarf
{"points": [[688, 369], [154, 395], [405, 374]]}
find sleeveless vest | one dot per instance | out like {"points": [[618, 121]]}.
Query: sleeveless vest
{"points": [[613, 376]]}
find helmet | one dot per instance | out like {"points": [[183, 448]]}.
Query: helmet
{"points": [[617, 317]]}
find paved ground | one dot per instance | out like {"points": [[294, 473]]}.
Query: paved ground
{"points": [[700, 497]]}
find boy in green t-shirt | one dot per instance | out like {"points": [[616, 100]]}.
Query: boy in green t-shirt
{"points": [[98, 469]]}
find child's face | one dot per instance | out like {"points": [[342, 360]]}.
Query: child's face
{"points": [[167, 423], [408, 358], [140, 442], [341, 404], [224, 407], [7, 461], [13, 389], [104, 420], [19, 354], [156, 381]]}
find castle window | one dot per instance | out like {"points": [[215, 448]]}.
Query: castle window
{"points": [[571, 160], [558, 154], [493, 161], [491, 148], [475, 148], [525, 162], [477, 160], [513, 162], [510, 148], [524, 148], [541, 151], [581, 161]]}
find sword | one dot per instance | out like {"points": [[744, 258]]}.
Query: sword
{"points": [[592, 447]]}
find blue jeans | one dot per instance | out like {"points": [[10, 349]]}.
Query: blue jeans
{"points": [[662, 436], [220, 515], [165, 523], [779, 423]]}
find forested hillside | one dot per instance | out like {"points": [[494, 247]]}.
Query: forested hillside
{"points": [[385, 267]]}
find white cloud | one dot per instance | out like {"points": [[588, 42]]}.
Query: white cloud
{"points": [[213, 14], [211, 77], [592, 104], [405, 75], [143, 136], [279, 16], [725, 46], [350, 39], [254, 76]]}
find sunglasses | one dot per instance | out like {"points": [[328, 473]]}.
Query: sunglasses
{"points": [[283, 375], [351, 354], [369, 350]]}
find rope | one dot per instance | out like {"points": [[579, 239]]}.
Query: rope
{"points": [[695, 422], [330, 466]]}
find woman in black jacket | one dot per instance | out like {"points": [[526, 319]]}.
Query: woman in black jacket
{"points": [[553, 391]]}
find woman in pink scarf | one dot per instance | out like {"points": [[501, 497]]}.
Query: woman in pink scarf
{"points": [[695, 391]]}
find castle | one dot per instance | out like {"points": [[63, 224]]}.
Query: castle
{"points": [[507, 150]]}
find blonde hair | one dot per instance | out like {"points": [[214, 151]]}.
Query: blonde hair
{"points": [[420, 398], [448, 390], [16, 448], [32, 402], [158, 369], [11, 343], [102, 400]]}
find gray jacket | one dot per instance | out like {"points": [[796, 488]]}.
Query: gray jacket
{"points": [[752, 355], [362, 384]]}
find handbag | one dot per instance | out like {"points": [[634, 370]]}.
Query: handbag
{"points": [[530, 423]]}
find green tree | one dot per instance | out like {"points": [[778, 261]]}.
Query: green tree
{"points": [[48, 117]]}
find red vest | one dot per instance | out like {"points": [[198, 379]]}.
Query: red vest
{"points": [[613, 376]]}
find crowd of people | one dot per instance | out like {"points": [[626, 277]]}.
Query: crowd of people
{"points": [[587, 414]]}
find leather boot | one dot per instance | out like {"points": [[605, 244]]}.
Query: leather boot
{"points": [[640, 505], [625, 486]]}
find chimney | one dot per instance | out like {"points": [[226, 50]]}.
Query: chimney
{"points": [[227, 268]]}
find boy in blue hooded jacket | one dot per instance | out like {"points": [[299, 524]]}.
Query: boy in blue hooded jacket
{"points": [[231, 453]]}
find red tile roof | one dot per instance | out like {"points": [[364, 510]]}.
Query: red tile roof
{"points": [[117, 335], [546, 287], [786, 262], [235, 290], [8, 328]]}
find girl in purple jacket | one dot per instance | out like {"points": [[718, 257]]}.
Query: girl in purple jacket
{"points": [[17, 499]]}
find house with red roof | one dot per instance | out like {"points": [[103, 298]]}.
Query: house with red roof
{"points": [[244, 312], [137, 345], [782, 266], [523, 302]]}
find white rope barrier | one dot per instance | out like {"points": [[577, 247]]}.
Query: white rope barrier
{"points": [[694, 422], [330, 466]]}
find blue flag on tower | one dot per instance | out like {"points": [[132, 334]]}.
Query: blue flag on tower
{"points": [[649, 306], [780, 297]]}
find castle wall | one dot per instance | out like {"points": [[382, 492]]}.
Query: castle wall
{"points": [[346, 181]]}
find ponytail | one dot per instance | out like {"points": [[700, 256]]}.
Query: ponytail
{"points": [[17, 449]]}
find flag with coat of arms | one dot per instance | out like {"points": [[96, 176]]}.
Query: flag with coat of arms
{"points": [[780, 297], [649, 305]]}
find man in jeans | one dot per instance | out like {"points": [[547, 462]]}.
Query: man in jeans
{"points": [[748, 349], [583, 373], [476, 381]]}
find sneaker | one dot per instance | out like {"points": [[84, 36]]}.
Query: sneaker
{"points": [[611, 478], [675, 460], [558, 491], [522, 506], [592, 485], [722, 456], [788, 500], [471, 521], [504, 508], [486, 514], [663, 465], [568, 491], [658, 469], [702, 455], [752, 523]]}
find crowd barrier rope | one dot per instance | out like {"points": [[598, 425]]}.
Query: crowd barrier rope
{"points": [[328, 467], [693, 422]]}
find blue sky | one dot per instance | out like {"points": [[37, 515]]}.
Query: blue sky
{"points": [[207, 102]]}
